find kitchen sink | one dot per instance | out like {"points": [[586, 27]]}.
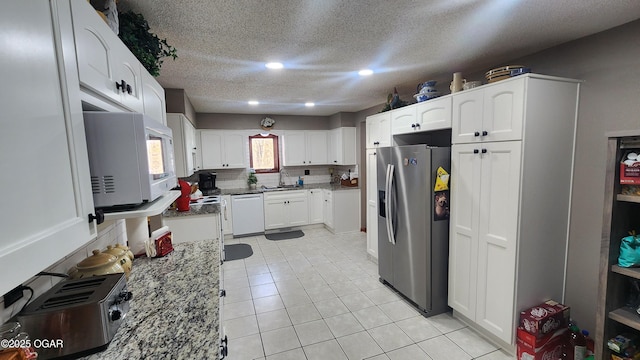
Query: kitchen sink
{"points": [[278, 188]]}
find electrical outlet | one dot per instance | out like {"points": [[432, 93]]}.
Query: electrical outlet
{"points": [[306, 172], [13, 296]]}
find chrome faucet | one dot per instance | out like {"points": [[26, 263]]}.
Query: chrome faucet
{"points": [[283, 172]]}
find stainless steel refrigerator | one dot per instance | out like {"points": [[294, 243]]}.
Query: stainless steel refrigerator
{"points": [[413, 224]]}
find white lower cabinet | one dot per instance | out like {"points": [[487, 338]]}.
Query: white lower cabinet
{"points": [[34, 240], [227, 219], [315, 200], [372, 204], [342, 210], [285, 209], [484, 233], [194, 227]]}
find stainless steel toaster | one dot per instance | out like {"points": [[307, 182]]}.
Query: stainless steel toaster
{"points": [[84, 313]]}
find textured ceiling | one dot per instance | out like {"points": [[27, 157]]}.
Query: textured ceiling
{"points": [[223, 45]]}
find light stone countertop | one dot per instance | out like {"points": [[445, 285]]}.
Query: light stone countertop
{"points": [[174, 310], [328, 186]]}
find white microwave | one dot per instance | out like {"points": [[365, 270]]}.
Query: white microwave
{"points": [[130, 158]]}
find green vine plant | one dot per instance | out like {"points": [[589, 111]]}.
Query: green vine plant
{"points": [[146, 46]]}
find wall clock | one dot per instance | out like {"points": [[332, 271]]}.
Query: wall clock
{"points": [[267, 123]]}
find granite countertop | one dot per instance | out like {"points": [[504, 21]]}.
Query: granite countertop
{"points": [[328, 186], [194, 209], [174, 310]]}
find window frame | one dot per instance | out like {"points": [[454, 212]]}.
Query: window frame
{"points": [[276, 153]]}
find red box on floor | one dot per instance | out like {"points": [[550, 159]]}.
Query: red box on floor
{"points": [[545, 318], [549, 347]]}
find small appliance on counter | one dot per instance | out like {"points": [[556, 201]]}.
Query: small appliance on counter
{"points": [[182, 202], [84, 313], [207, 183]]}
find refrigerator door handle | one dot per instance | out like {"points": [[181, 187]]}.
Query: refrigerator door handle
{"points": [[387, 203]]}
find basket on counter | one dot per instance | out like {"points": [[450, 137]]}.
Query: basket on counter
{"points": [[352, 182]]}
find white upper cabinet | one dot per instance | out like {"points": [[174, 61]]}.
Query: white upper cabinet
{"points": [[106, 67], [434, 114], [403, 120], [342, 146], [379, 130], [491, 113], [35, 237], [184, 145], [305, 147], [154, 100], [223, 149]]}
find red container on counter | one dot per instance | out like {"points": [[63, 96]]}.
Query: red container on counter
{"points": [[182, 203]]}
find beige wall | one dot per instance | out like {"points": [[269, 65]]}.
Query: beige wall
{"points": [[609, 63], [249, 121], [177, 101]]}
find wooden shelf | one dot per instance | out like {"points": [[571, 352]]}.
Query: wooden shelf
{"points": [[155, 207], [626, 316], [628, 198], [631, 272]]}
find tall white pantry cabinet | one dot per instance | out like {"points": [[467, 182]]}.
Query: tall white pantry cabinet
{"points": [[511, 174]]}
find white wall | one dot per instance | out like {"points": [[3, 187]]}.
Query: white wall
{"points": [[109, 233]]}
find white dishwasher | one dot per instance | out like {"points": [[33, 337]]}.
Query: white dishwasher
{"points": [[247, 212]]}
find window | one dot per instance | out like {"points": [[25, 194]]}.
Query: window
{"points": [[263, 153]]}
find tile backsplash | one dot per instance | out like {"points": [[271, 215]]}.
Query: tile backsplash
{"points": [[237, 178], [109, 233]]}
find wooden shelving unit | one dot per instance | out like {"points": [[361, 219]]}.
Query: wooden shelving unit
{"points": [[613, 315]]}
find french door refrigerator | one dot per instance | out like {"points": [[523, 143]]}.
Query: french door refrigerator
{"points": [[413, 224]]}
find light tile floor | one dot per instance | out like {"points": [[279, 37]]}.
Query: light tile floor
{"points": [[318, 297]]}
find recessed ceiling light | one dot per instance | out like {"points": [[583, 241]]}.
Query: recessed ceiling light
{"points": [[365, 72], [309, 104], [253, 102], [274, 65]]}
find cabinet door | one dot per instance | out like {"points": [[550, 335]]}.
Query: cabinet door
{"points": [[504, 111], [316, 147], [235, 155], [466, 126], [403, 120], [211, 144], [315, 202], [334, 143], [35, 237], [128, 69], [372, 204], [227, 223], [348, 148], [297, 210], [379, 130], [295, 146], [274, 213], [434, 114], [94, 51], [498, 236], [463, 233], [189, 145], [328, 208], [174, 121], [153, 97]]}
